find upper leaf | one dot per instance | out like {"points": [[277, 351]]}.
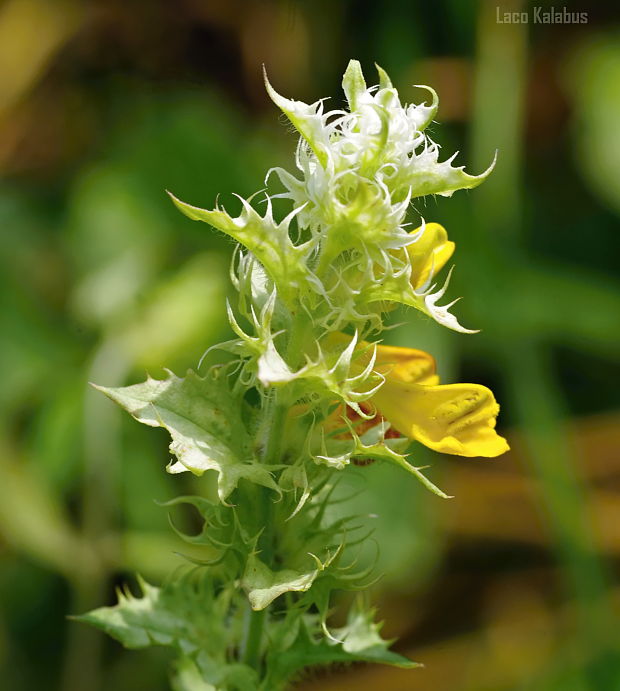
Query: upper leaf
{"points": [[268, 240], [424, 174], [309, 121], [353, 83]]}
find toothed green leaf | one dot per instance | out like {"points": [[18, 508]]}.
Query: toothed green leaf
{"points": [[182, 614], [268, 240], [308, 120], [360, 642], [188, 615], [425, 175], [360, 638], [204, 421]]}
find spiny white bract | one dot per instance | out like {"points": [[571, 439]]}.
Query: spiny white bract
{"points": [[358, 171]]}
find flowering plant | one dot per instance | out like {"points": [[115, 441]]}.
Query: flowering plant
{"points": [[306, 389]]}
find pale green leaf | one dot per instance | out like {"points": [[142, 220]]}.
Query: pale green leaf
{"points": [[422, 114], [307, 119], [264, 585], [426, 175], [307, 651], [268, 240], [204, 421], [182, 614], [360, 638], [399, 289], [373, 445], [353, 83], [187, 615], [384, 79]]}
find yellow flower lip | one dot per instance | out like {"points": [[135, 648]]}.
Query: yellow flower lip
{"points": [[456, 419]]}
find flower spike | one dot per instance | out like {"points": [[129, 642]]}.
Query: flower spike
{"points": [[306, 391]]}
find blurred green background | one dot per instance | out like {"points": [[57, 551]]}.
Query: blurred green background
{"points": [[103, 105]]}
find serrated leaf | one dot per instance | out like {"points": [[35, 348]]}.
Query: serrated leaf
{"points": [[399, 289], [268, 241], [182, 614], [205, 424], [307, 651], [425, 175], [307, 119], [360, 637], [187, 615]]}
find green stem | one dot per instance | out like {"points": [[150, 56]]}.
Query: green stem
{"points": [[275, 415], [254, 638], [273, 422], [272, 433]]}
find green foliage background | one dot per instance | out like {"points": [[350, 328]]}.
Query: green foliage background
{"points": [[103, 105]]}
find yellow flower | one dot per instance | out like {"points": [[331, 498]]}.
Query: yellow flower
{"points": [[451, 418], [428, 254]]}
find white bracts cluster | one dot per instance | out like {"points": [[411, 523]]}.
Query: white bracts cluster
{"points": [[345, 252]]}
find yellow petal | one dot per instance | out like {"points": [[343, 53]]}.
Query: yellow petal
{"points": [[455, 418], [406, 365], [403, 364], [429, 253]]}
